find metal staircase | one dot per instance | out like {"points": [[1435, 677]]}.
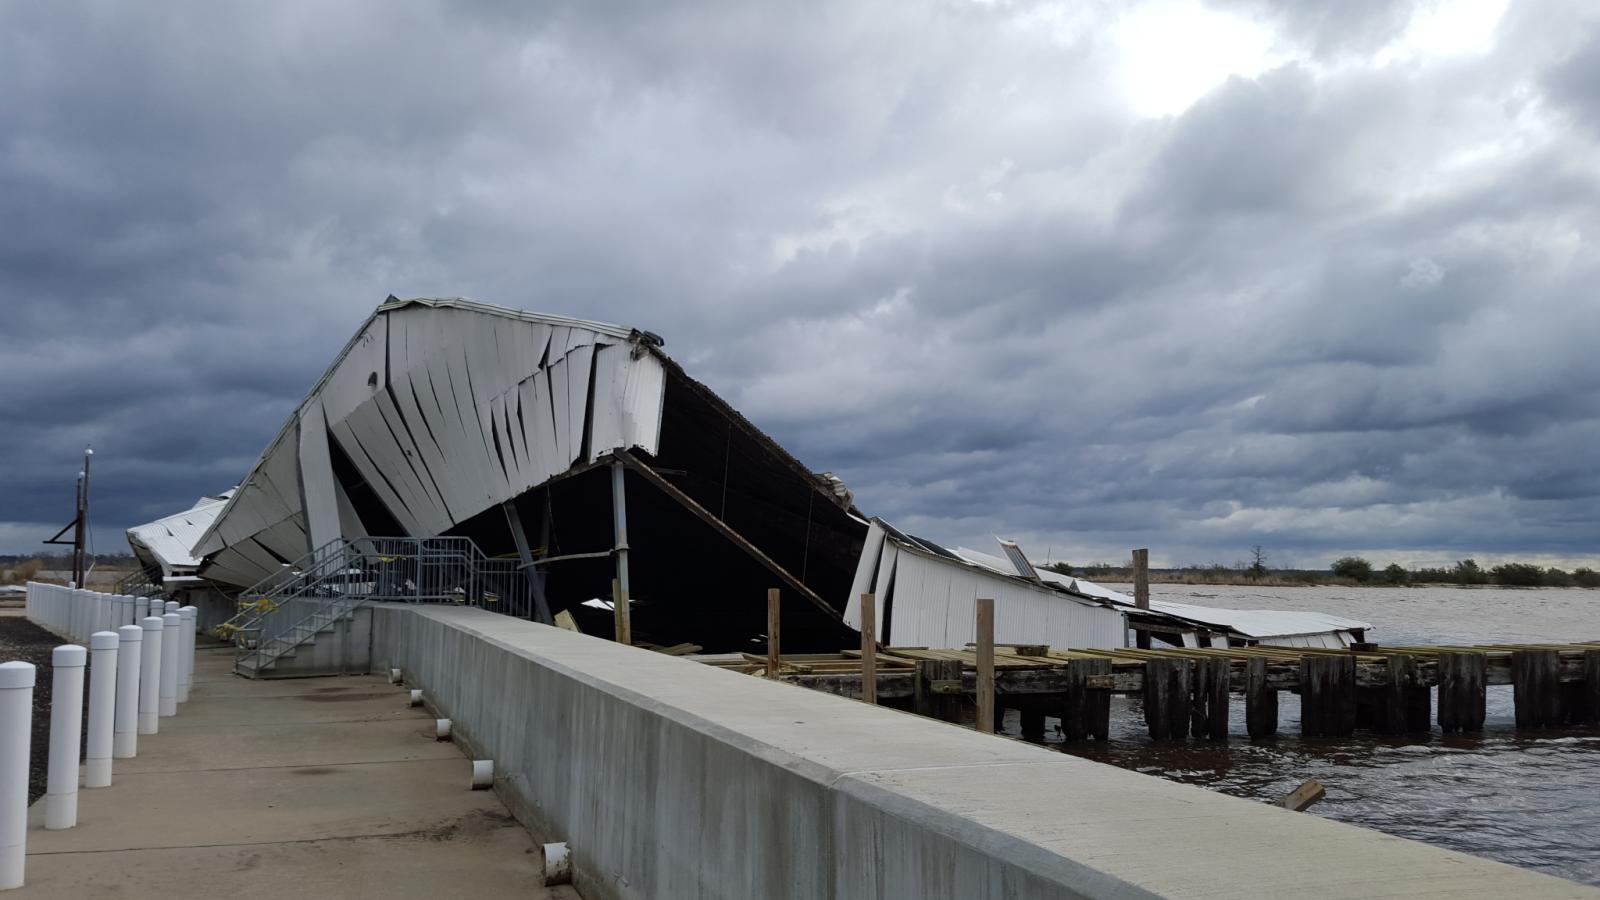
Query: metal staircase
{"points": [[286, 613], [137, 583]]}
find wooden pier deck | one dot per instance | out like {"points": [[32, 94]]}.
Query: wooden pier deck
{"points": [[1186, 690]]}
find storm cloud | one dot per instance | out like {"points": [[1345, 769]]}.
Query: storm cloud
{"points": [[1192, 276]]}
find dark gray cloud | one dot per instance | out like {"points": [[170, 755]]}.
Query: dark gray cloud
{"points": [[1342, 302]]}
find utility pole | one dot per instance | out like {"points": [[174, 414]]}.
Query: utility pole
{"points": [[79, 524]]}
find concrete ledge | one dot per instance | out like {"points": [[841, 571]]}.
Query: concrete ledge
{"points": [[673, 779]]}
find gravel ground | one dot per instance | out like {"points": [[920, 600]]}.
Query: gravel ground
{"points": [[23, 640]]}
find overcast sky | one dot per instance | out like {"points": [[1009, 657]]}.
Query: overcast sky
{"points": [[1188, 275]]}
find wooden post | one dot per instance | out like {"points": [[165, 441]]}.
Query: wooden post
{"points": [[1535, 678], [620, 614], [1260, 701], [985, 641], [774, 659], [869, 649], [1141, 592]]}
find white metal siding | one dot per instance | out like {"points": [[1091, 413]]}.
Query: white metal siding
{"points": [[935, 606]]}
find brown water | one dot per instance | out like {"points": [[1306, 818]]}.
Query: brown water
{"points": [[1530, 799]]}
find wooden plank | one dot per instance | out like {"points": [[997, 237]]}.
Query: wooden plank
{"points": [[869, 649], [774, 621], [722, 528], [985, 663], [1260, 701], [1303, 796]]}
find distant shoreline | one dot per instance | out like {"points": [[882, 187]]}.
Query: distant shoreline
{"points": [[1276, 581]]}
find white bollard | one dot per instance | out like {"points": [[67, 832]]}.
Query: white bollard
{"points": [[16, 732], [171, 649], [141, 609], [416, 696], [171, 606], [66, 731], [125, 739], [557, 864], [482, 774], [102, 708], [441, 729], [190, 616], [150, 675], [395, 676]]}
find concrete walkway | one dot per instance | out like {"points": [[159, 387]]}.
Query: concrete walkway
{"points": [[322, 787]]}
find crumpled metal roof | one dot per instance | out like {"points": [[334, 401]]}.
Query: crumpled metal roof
{"points": [[171, 540], [1252, 623]]}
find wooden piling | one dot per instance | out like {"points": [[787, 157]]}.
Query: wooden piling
{"points": [[1260, 701], [1327, 696], [1462, 700], [1199, 693], [1097, 704], [1086, 712], [1167, 687], [1591, 685], [1217, 685], [1158, 698], [937, 694], [1406, 700], [985, 664], [774, 661], [869, 649], [1535, 679]]}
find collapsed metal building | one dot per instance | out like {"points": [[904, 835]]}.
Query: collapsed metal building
{"points": [[537, 465], [577, 447]]}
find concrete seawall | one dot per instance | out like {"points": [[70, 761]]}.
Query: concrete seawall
{"points": [[672, 779]]}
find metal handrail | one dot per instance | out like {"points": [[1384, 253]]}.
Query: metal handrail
{"points": [[137, 583], [408, 570]]}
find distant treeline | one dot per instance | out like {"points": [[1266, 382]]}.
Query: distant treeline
{"points": [[1347, 570]]}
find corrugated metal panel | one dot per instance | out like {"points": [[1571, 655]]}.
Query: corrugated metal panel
{"points": [[935, 606], [866, 567], [169, 541]]}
